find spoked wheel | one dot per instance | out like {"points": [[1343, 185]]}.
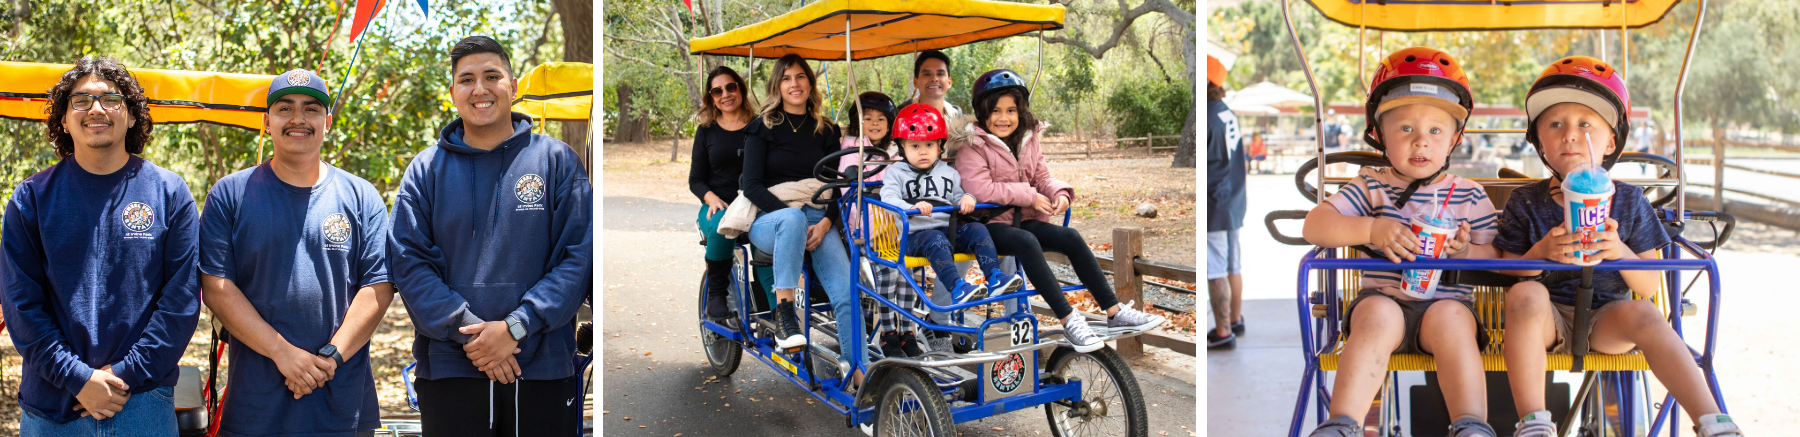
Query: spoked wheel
{"points": [[1111, 402], [721, 352], [911, 406]]}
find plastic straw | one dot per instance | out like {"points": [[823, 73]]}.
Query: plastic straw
{"points": [[1590, 141], [1446, 204]]}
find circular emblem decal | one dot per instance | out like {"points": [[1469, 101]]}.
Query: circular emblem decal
{"points": [[336, 229], [298, 78], [138, 217], [529, 189], [1008, 374]]}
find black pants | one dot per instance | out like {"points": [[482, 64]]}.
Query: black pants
{"points": [[1028, 242], [461, 407]]}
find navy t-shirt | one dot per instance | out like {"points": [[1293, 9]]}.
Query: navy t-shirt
{"points": [[1225, 179], [299, 254], [1532, 212], [98, 270]]}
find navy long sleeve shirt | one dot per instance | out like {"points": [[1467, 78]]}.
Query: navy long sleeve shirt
{"points": [[99, 270]]}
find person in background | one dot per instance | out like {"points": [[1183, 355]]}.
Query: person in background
{"points": [[1225, 204]]}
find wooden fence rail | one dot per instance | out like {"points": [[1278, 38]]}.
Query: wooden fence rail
{"points": [[1128, 284]]}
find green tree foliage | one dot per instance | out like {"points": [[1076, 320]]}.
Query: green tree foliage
{"points": [[1150, 107], [391, 109]]}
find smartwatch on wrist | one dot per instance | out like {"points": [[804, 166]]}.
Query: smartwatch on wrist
{"points": [[516, 328], [331, 351]]}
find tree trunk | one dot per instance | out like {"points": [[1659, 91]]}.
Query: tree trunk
{"points": [[578, 46], [633, 127], [1185, 150]]}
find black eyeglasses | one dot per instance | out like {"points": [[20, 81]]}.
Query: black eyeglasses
{"points": [[84, 102], [728, 88]]}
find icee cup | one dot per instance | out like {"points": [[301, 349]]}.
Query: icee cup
{"points": [[1435, 231], [1587, 202]]}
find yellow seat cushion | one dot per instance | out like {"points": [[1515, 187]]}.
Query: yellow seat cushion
{"points": [[913, 262]]}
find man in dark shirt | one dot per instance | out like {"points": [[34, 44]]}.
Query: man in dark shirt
{"points": [[1225, 204], [101, 295]]}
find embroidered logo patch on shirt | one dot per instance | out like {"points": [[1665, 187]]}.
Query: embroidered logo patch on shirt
{"points": [[337, 231], [138, 217], [530, 190]]}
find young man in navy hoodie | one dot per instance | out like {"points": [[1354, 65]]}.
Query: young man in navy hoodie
{"points": [[293, 257], [491, 247], [101, 295]]}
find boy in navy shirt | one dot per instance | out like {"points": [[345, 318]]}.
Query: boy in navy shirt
{"points": [[101, 296], [491, 249], [294, 257], [1575, 101]]}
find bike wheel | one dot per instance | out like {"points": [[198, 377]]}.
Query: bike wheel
{"points": [[912, 406], [721, 352], [1111, 405]]}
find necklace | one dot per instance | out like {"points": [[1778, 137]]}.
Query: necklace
{"points": [[796, 127]]}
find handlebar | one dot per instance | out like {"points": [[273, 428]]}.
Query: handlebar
{"points": [[952, 208]]}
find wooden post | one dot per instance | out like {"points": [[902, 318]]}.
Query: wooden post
{"points": [[1128, 246]]}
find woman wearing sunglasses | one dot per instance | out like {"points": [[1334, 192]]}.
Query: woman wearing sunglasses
{"points": [[717, 164]]}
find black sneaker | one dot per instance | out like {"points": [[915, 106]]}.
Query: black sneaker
{"points": [[787, 334], [1215, 342], [890, 345], [1237, 327], [909, 345]]}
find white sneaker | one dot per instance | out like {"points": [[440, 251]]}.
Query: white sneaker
{"points": [[1076, 330], [1538, 424], [1132, 319], [1717, 425]]}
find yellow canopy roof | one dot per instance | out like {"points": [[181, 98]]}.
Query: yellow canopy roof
{"points": [[175, 96], [880, 28], [1440, 15], [557, 91]]}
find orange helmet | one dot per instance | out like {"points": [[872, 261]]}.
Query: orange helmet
{"points": [[1417, 75], [1590, 82], [1215, 71]]}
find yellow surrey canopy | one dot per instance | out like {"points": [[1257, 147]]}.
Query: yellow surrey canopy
{"points": [[175, 96], [561, 91], [880, 28], [1443, 15]]}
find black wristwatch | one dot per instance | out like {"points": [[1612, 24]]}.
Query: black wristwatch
{"points": [[331, 351], [516, 328]]}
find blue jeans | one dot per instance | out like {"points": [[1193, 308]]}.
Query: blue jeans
{"points": [[150, 413], [782, 233], [934, 245]]}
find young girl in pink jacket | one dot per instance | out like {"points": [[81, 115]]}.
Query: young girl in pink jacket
{"points": [[1001, 162]]}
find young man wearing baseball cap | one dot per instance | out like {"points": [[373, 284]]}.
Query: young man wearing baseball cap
{"points": [[293, 257], [101, 296], [492, 245]]}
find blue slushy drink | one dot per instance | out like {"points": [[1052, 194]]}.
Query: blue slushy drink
{"points": [[1587, 202], [1435, 230]]}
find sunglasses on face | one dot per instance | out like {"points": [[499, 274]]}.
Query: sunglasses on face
{"points": [[84, 102], [728, 88]]}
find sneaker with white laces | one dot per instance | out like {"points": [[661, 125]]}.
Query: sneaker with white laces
{"points": [[1472, 427], [1341, 426], [1002, 283], [1717, 425], [1128, 318], [1082, 337], [1538, 424]]}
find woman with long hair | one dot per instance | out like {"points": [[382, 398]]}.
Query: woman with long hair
{"points": [[717, 165], [781, 147]]}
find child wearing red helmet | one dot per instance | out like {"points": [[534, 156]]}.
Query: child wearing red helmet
{"points": [[924, 182], [1576, 101], [1416, 111]]}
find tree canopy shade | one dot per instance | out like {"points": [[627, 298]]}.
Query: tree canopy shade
{"points": [[390, 105]]}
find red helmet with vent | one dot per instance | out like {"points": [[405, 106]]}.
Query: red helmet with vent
{"points": [[919, 122]]}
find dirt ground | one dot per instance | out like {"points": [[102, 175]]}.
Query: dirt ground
{"points": [[390, 351], [1107, 192]]}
